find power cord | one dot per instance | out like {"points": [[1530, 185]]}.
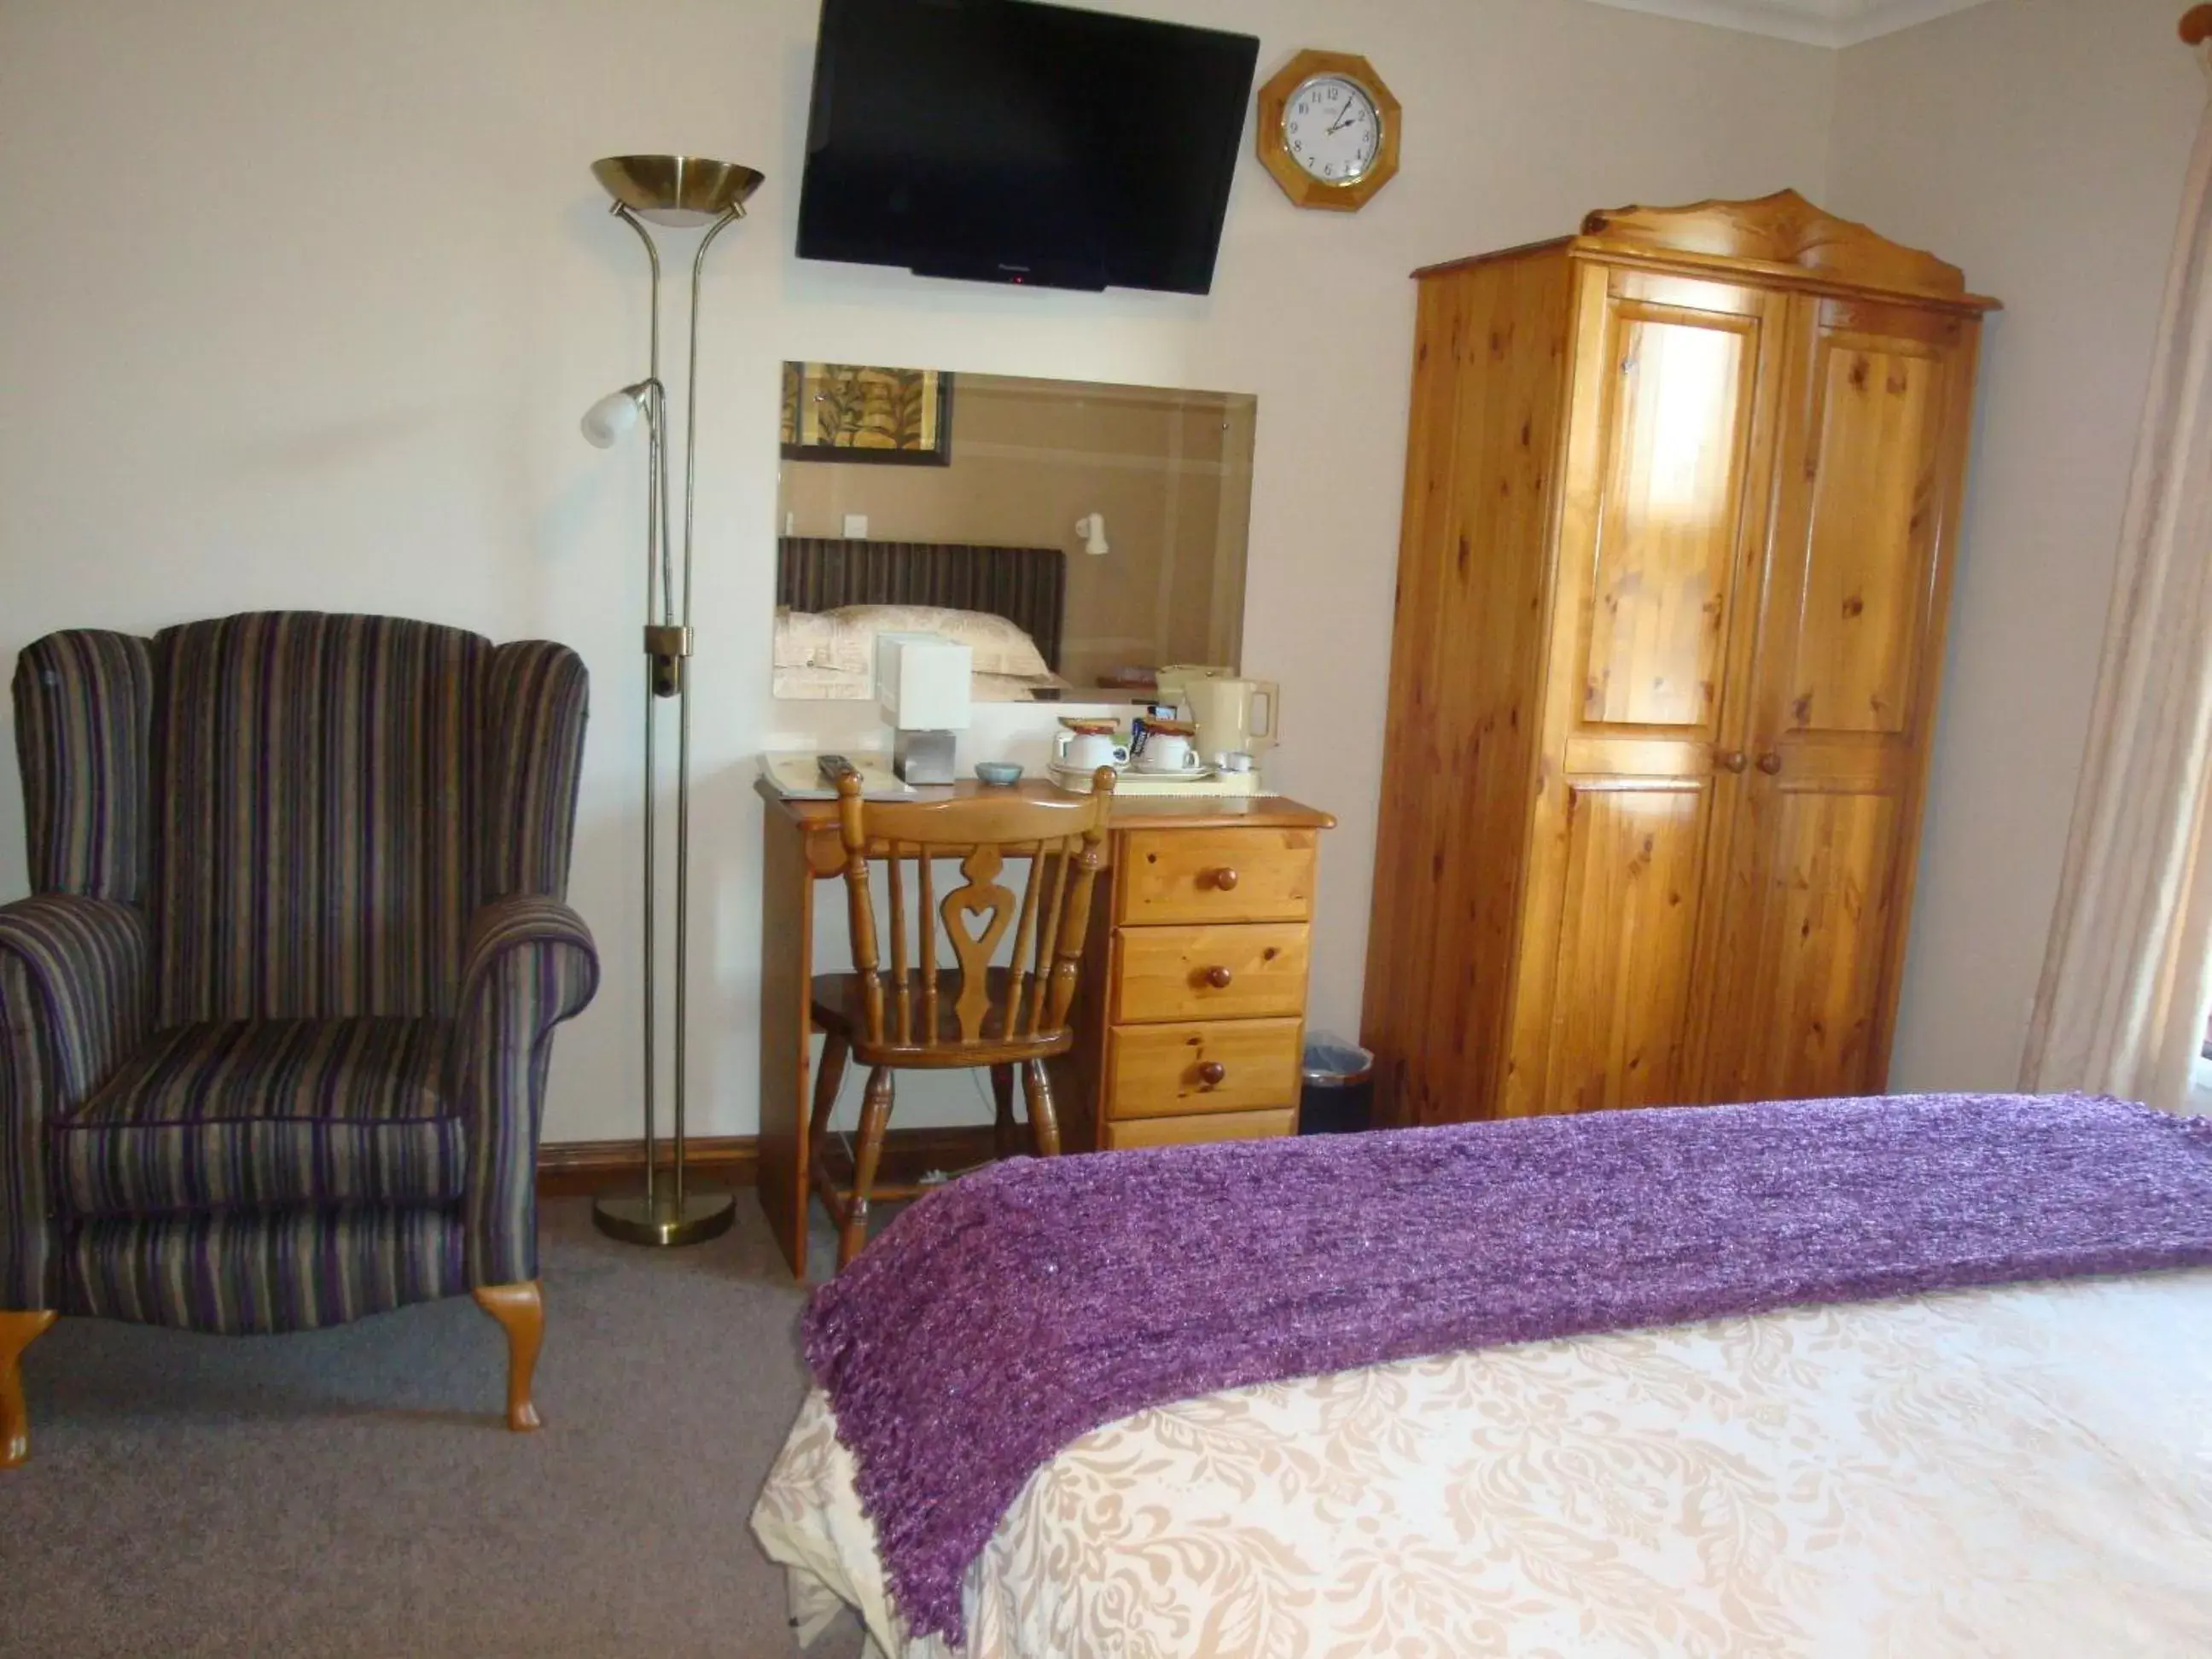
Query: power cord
{"points": [[932, 1178]]}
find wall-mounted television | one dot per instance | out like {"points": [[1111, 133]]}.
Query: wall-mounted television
{"points": [[1005, 141]]}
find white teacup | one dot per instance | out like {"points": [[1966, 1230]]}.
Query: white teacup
{"points": [[1087, 751], [1167, 751]]}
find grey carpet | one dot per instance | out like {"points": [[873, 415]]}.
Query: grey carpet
{"points": [[356, 1491]]}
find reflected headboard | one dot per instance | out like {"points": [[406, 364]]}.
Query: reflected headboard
{"points": [[1026, 585]]}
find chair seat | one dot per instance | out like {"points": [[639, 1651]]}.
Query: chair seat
{"points": [[840, 1006], [237, 1116]]}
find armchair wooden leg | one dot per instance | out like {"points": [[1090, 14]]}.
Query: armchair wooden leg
{"points": [[1044, 1122], [520, 1310], [1005, 1141], [875, 1118], [17, 1332]]}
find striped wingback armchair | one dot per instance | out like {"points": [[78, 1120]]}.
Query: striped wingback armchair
{"points": [[275, 1023]]}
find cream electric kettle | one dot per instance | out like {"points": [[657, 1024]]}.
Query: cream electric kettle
{"points": [[1233, 714]]}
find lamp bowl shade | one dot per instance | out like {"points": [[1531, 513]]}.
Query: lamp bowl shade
{"points": [[676, 190]]}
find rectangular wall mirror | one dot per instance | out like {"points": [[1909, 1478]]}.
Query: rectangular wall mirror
{"points": [[1079, 536]]}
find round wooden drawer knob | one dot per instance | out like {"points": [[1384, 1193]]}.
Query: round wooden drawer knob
{"points": [[1225, 880], [1212, 1073], [1218, 978], [1770, 763]]}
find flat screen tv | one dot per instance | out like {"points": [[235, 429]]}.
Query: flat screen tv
{"points": [[1009, 141]]}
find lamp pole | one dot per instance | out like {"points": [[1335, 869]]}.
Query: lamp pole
{"points": [[675, 190]]}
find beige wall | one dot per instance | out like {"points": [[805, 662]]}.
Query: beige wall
{"points": [[301, 304], [2041, 144], [1030, 457]]}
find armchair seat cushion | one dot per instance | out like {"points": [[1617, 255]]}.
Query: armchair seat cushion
{"points": [[249, 1115]]}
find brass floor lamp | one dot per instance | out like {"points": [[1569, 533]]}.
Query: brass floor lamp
{"points": [[683, 192]]}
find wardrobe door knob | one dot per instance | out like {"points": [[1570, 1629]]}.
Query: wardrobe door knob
{"points": [[1212, 1073], [1219, 977], [1225, 880], [1770, 763], [1735, 760]]}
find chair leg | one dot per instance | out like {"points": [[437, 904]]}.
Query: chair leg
{"points": [[827, 1082], [875, 1118], [17, 1332], [1044, 1122], [520, 1311], [836, 1048], [1005, 1143]]}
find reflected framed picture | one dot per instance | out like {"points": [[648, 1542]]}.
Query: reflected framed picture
{"points": [[850, 412]]}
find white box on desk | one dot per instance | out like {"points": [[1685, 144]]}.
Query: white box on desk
{"points": [[922, 681]]}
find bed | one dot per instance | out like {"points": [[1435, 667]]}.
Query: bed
{"points": [[833, 596], [2019, 1467]]}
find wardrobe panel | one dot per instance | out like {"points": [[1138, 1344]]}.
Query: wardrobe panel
{"points": [[1875, 476], [1672, 487], [1634, 868], [1807, 1012]]}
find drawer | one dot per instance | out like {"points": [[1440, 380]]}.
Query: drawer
{"points": [[1244, 972], [1159, 1071], [1216, 875], [1187, 1131]]}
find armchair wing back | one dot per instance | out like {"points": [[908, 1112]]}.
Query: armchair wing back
{"points": [[84, 712], [309, 807], [275, 1023]]}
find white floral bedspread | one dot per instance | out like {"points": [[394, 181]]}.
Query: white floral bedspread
{"points": [[2011, 1472]]}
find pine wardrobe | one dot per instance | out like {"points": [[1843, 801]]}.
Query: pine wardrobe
{"points": [[1682, 505]]}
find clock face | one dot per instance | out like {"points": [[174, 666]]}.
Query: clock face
{"points": [[1331, 129]]}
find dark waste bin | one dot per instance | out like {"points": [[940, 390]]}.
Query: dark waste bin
{"points": [[1339, 1096]]}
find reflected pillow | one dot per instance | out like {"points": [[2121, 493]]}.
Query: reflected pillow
{"points": [[1000, 647]]}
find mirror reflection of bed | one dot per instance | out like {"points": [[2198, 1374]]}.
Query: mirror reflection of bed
{"points": [[1078, 536]]}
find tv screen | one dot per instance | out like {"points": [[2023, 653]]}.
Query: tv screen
{"points": [[1015, 143]]}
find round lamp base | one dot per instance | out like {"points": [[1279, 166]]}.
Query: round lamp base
{"points": [[635, 1220]]}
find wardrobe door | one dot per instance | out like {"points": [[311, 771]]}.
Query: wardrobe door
{"points": [[1670, 435], [1850, 643]]}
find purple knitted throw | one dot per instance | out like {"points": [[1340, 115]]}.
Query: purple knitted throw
{"points": [[1018, 1309]]}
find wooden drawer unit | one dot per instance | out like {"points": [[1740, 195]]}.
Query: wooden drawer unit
{"points": [[1210, 1066], [1248, 970], [1202, 999], [1186, 1130], [1215, 875]]}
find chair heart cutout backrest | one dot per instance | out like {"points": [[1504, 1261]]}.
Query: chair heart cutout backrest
{"points": [[1003, 1010]]}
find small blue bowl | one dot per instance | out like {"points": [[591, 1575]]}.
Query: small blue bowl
{"points": [[999, 773]]}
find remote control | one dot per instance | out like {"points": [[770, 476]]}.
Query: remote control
{"points": [[834, 767]]}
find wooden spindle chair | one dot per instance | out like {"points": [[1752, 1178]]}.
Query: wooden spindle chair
{"points": [[920, 1015]]}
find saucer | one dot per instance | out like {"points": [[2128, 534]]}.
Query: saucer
{"points": [[1180, 775]]}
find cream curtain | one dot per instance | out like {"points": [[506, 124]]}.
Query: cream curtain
{"points": [[2122, 1005]]}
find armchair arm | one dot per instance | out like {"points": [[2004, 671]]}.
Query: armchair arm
{"points": [[528, 965], [76, 999]]}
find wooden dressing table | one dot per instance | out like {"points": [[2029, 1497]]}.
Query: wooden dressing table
{"points": [[1190, 1013]]}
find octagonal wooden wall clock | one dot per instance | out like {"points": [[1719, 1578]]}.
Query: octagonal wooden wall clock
{"points": [[1329, 131]]}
